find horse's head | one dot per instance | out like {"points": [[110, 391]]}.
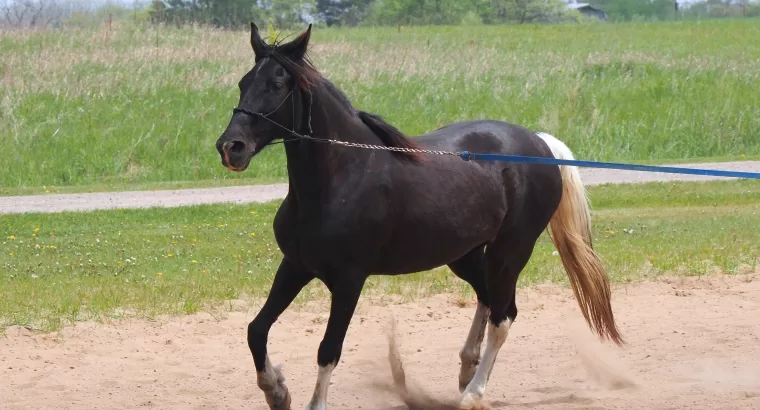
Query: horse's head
{"points": [[272, 96]]}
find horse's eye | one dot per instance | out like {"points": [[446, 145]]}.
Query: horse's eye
{"points": [[278, 86]]}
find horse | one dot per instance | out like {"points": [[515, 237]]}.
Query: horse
{"points": [[364, 199]]}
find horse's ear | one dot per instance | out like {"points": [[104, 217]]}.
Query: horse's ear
{"points": [[258, 44], [296, 49]]}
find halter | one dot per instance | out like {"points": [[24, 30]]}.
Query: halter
{"points": [[310, 136], [290, 131]]}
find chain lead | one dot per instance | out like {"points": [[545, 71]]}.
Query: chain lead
{"points": [[386, 148]]}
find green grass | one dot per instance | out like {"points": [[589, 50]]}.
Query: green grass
{"points": [[145, 108], [62, 268]]}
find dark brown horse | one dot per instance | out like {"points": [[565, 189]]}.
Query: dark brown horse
{"points": [[353, 212]]}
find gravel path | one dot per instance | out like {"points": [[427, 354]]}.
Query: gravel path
{"points": [[264, 193]]}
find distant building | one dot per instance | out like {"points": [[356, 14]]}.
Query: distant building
{"points": [[587, 10]]}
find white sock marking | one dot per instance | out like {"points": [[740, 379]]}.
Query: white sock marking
{"points": [[319, 399], [470, 353], [477, 387]]}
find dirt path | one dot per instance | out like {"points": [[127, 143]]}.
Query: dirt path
{"points": [[266, 193], [699, 348]]}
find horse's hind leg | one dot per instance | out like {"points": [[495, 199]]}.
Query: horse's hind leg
{"points": [[505, 259], [470, 353], [471, 269]]}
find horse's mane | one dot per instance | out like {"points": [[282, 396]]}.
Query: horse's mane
{"points": [[308, 79], [390, 136]]}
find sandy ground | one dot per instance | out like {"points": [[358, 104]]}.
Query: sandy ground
{"points": [[692, 344], [264, 193]]}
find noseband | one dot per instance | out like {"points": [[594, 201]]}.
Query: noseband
{"points": [[239, 109]]}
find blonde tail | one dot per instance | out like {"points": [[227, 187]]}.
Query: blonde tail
{"points": [[571, 234]]}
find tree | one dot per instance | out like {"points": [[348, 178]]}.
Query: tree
{"points": [[33, 13], [521, 11], [343, 12], [722, 9], [232, 13], [415, 12], [286, 13]]}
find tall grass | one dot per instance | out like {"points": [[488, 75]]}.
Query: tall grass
{"points": [[148, 104]]}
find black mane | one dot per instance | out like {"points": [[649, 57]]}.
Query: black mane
{"points": [[391, 136], [310, 80]]}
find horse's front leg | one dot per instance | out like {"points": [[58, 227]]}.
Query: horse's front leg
{"points": [[288, 282], [345, 296]]}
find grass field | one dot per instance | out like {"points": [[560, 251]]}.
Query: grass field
{"points": [[61, 268], [144, 108]]}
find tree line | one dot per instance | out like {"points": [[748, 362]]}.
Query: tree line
{"points": [[287, 14]]}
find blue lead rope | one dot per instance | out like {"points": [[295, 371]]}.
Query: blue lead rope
{"points": [[469, 156]]}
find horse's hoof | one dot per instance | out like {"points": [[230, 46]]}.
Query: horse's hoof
{"points": [[470, 401], [312, 406], [275, 391], [280, 400]]}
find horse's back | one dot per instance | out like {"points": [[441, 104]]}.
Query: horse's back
{"points": [[526, 186], [497, 137], [485, 136]]}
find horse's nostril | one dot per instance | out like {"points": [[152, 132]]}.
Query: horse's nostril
{"points": [[234, 147]]}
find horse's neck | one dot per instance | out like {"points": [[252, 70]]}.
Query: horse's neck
{"points": [[314, 168]]}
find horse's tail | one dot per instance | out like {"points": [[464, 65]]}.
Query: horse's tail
{"points": [[571, 233]]}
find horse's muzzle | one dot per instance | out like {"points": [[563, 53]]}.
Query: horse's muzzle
{"points": [[236, 154]]}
